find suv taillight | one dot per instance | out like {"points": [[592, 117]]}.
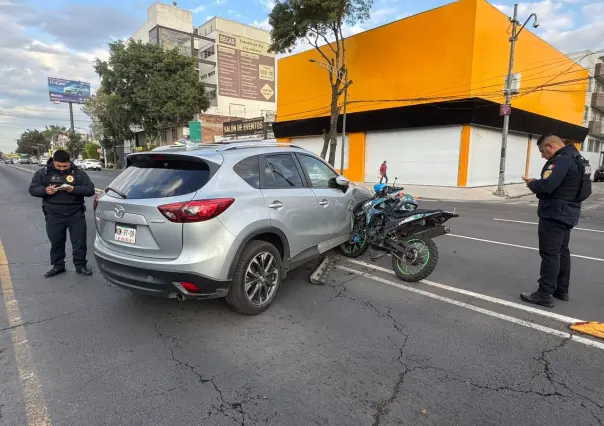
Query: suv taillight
{"points": [[195, 211], [95, 203]]}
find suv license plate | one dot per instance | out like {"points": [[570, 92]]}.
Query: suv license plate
{"points": [[125, 234]]}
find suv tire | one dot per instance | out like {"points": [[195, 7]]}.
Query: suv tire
{"points": [[247, 265]]}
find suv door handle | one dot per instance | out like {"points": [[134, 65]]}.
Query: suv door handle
{"points": [[324, 203], [275, 205]]}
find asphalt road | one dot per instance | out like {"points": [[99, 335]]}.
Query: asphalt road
{"points": [[366, 349]]}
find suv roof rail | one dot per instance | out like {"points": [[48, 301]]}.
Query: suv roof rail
{"points": [[240, 145]]}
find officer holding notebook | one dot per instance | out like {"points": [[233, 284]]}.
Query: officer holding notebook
{"points": [[62, 187]]}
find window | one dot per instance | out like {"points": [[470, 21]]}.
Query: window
{"points": [[148, 177], [164, 136], [249, 171], [318, 172], [280, 171], [174, 134]]}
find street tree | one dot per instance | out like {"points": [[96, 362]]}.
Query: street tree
{"points": [[320, 23], [155, 88], [91, 151], [75, 144], [32, 142], [53, 131], [111, 122]]}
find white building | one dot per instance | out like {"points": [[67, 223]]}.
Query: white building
{"points": [[234, 62], [593, 117]]}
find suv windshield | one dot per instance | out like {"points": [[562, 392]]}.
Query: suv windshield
{"points": [[153, 177]]}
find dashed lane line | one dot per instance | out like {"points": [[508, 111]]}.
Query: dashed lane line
{"points": [[597, 259], [508, 318], [536, 223], [490, 299], [33, 396]]}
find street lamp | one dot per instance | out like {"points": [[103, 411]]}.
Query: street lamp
{"points": [[343, 77], [508, 96]]}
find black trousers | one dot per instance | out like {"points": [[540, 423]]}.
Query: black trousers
{"points": [[555, 257], [56, 229], [385, 177]]}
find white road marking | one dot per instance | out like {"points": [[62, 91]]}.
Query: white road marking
{"points": [[537, 223], [518, 306], [514, 320], [597, 259], [33, 396]]}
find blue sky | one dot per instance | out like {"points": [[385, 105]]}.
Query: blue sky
{"points": [[61, 38]]}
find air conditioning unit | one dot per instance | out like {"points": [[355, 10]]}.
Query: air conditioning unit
{"points": [[515, 86]]}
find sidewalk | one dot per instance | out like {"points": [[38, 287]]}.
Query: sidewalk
{"points": [[484, 193]]}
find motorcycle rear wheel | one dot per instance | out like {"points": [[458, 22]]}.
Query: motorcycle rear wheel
{"points": [[421, 264]]}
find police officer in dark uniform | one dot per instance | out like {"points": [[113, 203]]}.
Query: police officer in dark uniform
{"points": [[564, 184], [62, 187]]}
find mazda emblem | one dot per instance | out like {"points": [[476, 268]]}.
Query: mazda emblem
{"points": [[119, 211]]}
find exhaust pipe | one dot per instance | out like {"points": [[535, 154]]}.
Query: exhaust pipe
{"points": [[180, 297]]}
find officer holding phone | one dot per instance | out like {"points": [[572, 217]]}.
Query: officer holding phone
{"points": [[565, 183], [62, 187]]}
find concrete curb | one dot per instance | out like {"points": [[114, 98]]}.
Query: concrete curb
{"points": [[34, 171]]}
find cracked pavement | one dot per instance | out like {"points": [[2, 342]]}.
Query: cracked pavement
{"points": [[352, 352]]}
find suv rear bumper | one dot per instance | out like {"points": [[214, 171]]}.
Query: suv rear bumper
{"points": [[159, 283]]}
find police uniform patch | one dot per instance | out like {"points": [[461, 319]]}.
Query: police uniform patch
{"points": [[69, 179], [547, 174]]}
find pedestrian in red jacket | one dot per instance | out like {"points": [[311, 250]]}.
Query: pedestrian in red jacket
{"points": [[384, 172]]}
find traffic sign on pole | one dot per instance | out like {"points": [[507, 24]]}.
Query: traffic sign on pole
{"points": [[195, 131], [505, 109]]}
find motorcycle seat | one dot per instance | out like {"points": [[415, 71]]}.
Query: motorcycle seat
{"points": [[403, 214]]}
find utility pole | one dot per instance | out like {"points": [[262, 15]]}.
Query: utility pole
{"points": [[71, 117], [500, 192]]}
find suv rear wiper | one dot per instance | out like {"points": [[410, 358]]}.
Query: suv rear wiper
{"points": [[120, 193]]}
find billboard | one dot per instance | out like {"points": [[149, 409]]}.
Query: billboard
{"points": [[61, 90], [246, 70], [251, 126]]}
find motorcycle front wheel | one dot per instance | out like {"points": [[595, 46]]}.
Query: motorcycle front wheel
{"points": [[358, 244], [419, 263]]}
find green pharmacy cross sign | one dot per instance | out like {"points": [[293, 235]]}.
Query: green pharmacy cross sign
{"points": [[195, 131]]}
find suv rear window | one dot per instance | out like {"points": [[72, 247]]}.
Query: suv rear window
{"points": [[149, 177]]}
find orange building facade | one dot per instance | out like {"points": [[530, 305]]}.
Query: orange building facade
{"points": [[425, 97]]}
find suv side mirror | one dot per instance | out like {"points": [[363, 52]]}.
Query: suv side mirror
{"points": [[339, 182], [342, 181]]}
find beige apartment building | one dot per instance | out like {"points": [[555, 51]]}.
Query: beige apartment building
{"points": [[233, 62]]}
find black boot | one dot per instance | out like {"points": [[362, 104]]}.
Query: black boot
{"points": [[538, 299], [56, 270], [84, 270], [561, 296]]}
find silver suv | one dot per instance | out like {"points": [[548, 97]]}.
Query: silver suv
{"points": [[220, 220]]}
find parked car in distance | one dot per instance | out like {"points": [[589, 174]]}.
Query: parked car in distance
{"points": [[9, 161], [225, 220], [91, 165], [599, 174]]}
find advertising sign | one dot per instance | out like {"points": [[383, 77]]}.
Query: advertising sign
{"points": [[61, 90], [246, 70], [251, 126]]}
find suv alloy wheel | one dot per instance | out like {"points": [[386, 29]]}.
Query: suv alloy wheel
{"points": [[258, 276]]}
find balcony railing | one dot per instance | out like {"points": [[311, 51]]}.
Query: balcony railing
{"points": [[599, 72], [595, 128], [597, 101]]}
